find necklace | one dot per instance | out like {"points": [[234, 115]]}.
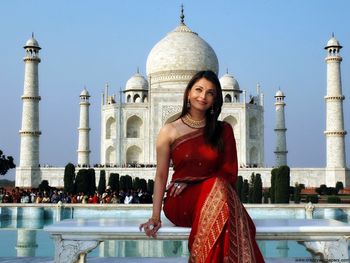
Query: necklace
{"points": [[193, 123]]}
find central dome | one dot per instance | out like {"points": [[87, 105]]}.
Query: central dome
{"points": [[180, 51]]}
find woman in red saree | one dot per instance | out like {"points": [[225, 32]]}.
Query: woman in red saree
{"points": [[202, 193]]}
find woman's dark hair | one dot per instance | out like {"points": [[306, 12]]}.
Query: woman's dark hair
{"points": [[213, 127]]}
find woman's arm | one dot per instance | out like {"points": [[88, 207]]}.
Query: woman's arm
{"points": [[161, 178], [164, 141]]}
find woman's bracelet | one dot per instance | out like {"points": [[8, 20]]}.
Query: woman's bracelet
{"points": [[155, 219]]}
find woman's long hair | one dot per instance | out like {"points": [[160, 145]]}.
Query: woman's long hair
{"points": [[213, 128]]}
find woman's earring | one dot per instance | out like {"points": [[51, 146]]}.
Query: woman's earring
{"points": [[212, 109], [188, 104]]}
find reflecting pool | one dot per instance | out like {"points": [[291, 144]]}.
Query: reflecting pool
{"points": [[22, 235]]}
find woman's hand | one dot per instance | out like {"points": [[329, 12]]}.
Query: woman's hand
{"points": [[151, 227], [176, 188]]}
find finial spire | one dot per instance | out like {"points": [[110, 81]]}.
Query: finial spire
{"points": [[227, 70], [32, 34], [258, 88], [182, 16], [332, 34], [138, 71]]}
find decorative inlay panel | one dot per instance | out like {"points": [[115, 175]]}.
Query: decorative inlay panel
{"points": [[172, 76], [170, 110]]}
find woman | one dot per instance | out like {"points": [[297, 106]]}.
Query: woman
{"points": [[202, 193]]}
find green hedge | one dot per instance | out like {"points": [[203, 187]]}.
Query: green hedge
{"points": [[333, 200], [102, 182], [312, 198], [69, 177]]}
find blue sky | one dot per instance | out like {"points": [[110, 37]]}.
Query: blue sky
{"points": [[276, 43]]}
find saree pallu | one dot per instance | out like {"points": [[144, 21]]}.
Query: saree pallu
{"points": [[222, 230]]}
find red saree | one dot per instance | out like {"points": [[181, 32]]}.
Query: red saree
{"points": [[222, 230]]}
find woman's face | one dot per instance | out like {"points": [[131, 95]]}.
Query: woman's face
{"points": [[202, 95]]}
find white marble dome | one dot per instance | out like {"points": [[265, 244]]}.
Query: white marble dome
{"points": [[181, 50], [333, 42], [32, 42], [84, 93], [227, 81], [137, 81], [279, 93]]}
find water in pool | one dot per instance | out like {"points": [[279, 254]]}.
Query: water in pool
{"points": [[21, 234]]}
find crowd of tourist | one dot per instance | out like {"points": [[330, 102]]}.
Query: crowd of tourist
{"points": [[126, 165], [129, 196]]}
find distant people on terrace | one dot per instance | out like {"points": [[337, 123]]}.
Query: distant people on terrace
{"points": [[54, 196]]}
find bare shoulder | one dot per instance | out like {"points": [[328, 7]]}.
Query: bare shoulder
{"points": [[167, 133], [167, 129]]}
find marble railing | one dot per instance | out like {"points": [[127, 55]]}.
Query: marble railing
{"points": [[326, 239]]}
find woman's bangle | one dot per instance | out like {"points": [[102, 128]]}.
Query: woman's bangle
{"points": [[155, 219]]}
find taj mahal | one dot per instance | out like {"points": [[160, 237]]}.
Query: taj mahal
{"points": [[131, 121]]}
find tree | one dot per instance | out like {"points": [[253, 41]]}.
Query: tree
{"points": [[91, 181], [128, 181], [266, 195], [257, 189], [7, 183], [122, 183], [282, 185], [321, 190], [251, 188], [6, 163], [136, 183], [150, 186], [81, 181], [102, 182], [297, 196], [69, 176], [274, 172], [245, 190], [44, 186], [114, 183], [339, 186], [143, 185]]}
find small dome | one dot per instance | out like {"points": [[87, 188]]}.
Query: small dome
{"points": [[181, 50], [84, 93], [279, 93], [333, 42], [32, 42], [137, 81], [227, 81]]}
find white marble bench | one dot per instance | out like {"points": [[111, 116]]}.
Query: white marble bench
{"points": [[74, 238]]}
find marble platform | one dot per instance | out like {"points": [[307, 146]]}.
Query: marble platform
{"points": [[74, 238]]}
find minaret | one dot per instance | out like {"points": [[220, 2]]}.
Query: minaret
{"points": [[27, 175], [84, 144], [335, 133], [26, 242], [280, 130]]}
